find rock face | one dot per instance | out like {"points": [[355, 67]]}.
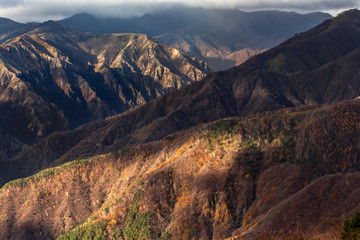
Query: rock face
{"points": [[223, 38], [288, 173], [57, 79]]}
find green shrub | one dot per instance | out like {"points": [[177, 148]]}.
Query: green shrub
{"points": [[220, 128], [95, 231], [137, 225], [170, 138], [21, 182], [164, 235], [351, 230]]}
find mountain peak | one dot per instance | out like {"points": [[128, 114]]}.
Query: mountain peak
{"points": [[352, 12], [309, 50], [83, 15], [51, 27], [108, 74], [7, 21]]}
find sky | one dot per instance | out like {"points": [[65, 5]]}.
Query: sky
{"points": [[42, 10]]}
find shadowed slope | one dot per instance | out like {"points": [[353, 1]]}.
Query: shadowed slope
{"points": [[286, 173], [58, 79]]}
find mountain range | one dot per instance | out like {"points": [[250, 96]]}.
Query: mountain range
{"points": [[223, 38], [264, 150], [58, 79], [316, 67]]}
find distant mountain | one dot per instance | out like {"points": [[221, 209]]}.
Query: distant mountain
{"points": [[223, 38], [310, 50], [57, 79], [325, 72], [10, 29]]}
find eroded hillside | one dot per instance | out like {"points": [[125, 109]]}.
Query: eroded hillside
{"points": [[58, 79], [271, 175]]}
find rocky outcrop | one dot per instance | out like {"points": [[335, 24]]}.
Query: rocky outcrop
{"points": [[57, 79]]}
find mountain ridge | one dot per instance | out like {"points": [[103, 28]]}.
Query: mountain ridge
{"points": [[222, 38], [234, 178], [306, 58], [59, 79]]}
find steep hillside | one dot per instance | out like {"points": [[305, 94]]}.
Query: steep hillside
{"points": [[237, 91], [292, 173], [57, 79], [222, 38], [10, 29], [310, 50]]}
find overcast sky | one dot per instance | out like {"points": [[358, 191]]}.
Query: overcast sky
{"points": [[41, 10]]}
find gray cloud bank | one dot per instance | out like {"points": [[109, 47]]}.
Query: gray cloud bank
{"points": [[41, 10], [8, 3]]}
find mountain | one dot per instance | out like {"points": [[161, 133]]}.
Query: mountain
{"points": [[314, 48], [223, 38], [212, 160], [287, 174], [251, 87], [58, 79], [10, 29]]}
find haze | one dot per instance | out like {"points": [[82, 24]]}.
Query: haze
{"points": [[41, 10]]}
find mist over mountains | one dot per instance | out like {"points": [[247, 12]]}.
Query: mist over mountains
{"points": [[223, 38]]}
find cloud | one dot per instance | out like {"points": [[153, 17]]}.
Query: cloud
{"points": [[41, 10], [6, 3], [304, 5]]}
